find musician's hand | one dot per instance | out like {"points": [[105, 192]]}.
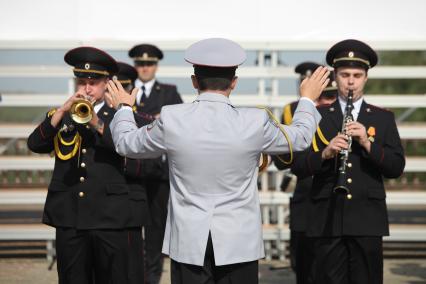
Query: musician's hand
{"points": [[119, 94], [338, 143], [312, 87], [60, 112], [358, 132], [71, 100], [94, 119]]}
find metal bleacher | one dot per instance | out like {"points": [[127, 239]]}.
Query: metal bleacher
{"points": [[24, 176]]}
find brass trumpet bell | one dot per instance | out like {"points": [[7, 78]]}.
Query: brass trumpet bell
{"points": [[81, 111]]}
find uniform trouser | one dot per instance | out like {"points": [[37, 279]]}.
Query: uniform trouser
{"points": [[344, 260], [112, 256], [301, 256], [239, 273], [158, 198]]}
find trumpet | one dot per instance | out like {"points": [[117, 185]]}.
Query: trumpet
{"points": [[81, 111], [341, 184]]}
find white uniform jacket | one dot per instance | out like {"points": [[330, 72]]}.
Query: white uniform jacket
{"points": [[213, 150]]}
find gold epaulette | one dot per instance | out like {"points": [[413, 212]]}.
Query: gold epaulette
{"points": [[51, 112]]}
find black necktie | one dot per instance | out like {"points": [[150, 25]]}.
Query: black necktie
{"points": [[143, 97]]}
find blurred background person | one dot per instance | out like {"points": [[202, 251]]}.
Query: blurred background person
{"points": [[301, 254], [152, 96]]}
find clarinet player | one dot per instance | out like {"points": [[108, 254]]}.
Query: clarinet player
{"points": [[347, 215]]}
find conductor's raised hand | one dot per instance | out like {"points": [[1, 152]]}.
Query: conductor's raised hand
{"points": [[118, 95], [312, 87]]}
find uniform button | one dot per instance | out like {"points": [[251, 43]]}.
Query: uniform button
{"points": [[87, 126], [83, 165], [82, 179], [349, 180], [83, 151], [81, 194], [350, 165]]}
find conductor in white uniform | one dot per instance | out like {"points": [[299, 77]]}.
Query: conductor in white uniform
{"points": [[214, 231]]}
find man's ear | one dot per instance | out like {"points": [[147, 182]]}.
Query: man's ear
{"points": [[194, 82], [234, 82], [106, 79]]}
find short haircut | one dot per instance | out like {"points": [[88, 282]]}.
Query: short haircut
{"points": [[214, 78]]}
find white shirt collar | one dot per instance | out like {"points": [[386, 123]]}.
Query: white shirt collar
{"points": [[98, 106], [148, 88], [357, 106]]}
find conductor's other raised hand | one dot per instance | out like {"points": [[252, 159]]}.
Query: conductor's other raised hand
{"points": [[118, 95], [312, 87]]}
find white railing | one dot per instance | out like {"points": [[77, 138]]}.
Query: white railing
{"points": [[256, 72], [273, 204], [16, 163], [245, 100], [406, 130]]}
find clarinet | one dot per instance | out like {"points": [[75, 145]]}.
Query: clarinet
{"points": [[342, 181]]}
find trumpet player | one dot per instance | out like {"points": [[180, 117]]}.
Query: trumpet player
{"points": [[97, 216], [347, 225]]}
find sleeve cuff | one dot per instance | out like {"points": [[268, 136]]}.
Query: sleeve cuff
{"points": [[376, 154], [308, 100], [314, 162], [124, 108], [47, 130]]}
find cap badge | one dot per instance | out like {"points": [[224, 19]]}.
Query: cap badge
{"points": [[351, 54], [87, 66], [334, 84], [145, 55]]}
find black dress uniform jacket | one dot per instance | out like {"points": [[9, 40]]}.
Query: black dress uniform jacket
{"points": [[299, 200], [301, 254], [88, 191], [365, 214]]}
